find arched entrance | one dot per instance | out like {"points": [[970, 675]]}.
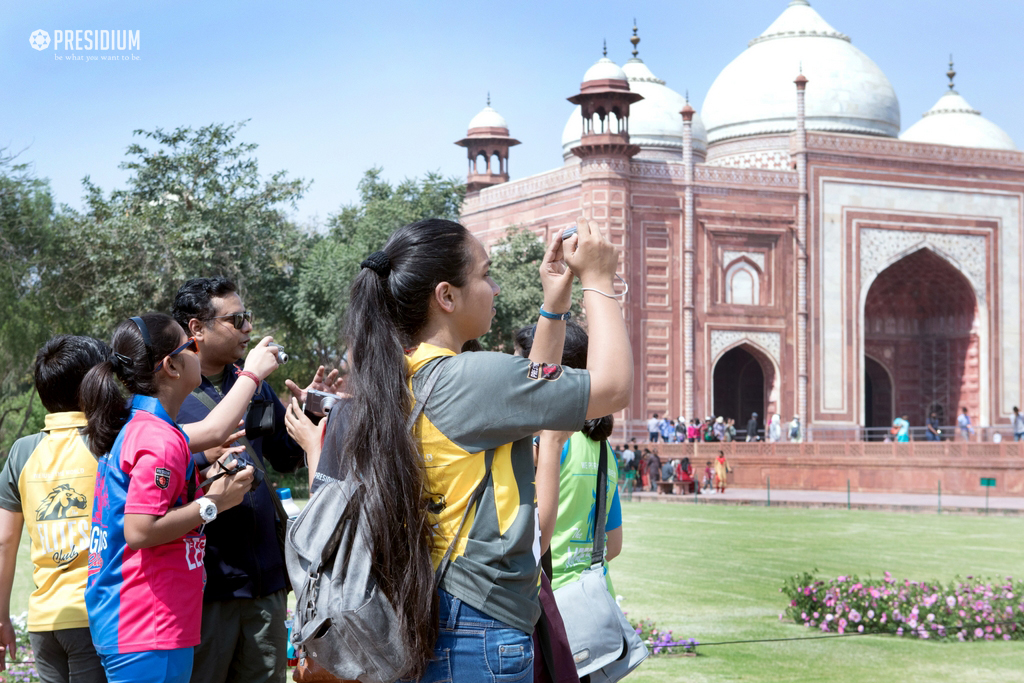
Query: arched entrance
{"points": [[877, 394], [919, 329], [741, 385]]}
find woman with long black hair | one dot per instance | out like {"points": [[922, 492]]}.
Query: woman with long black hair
{"points": [[413, 307]]}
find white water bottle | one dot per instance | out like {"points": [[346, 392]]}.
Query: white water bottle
{"points": [[290, 508]]}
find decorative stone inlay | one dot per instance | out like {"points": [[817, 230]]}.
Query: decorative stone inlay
{"points": [[605, 166], [745, 176], [918, 151], [778, 160], [881, 248], [729, 256], [769, 341]]}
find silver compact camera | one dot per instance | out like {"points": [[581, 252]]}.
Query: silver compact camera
{"points": [[320, 402], [282, 357]]}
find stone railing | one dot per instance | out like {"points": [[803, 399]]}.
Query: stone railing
{"points": [[915, 467]]}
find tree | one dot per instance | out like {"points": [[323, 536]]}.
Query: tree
{"points": [[515, 262], [196, 205], [356, 231], [26, 231]]}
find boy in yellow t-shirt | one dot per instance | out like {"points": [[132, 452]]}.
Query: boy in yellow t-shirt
{"points": [[47, 486]]}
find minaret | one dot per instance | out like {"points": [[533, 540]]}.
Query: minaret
{"points": [[605, 153], [801, 253], [488, 138], [689, 255]]}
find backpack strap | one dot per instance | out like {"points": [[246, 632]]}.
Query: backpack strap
{"points": [[597, 557], [474, 501]]}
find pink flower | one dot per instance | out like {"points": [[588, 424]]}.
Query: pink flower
{"points": [[854, 616], [978, 633], [1006, 636], [951, 602], [860, 629]]}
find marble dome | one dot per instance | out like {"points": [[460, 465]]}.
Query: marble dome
{"points": [[952, 121], [846, 91], [604, 69], [655, 123], [488, 118]]}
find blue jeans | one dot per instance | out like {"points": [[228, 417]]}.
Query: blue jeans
{"points": [[475, 648]]}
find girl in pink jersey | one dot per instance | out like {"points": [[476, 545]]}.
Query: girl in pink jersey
{"points": [[144, 594]]}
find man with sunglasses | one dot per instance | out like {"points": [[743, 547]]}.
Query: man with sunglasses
{"points": [[244, 604]]}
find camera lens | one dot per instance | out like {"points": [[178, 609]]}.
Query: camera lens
{"points": [[328, 403]]}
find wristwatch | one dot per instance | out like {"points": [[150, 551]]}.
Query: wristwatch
{"points": [[207, 509]]}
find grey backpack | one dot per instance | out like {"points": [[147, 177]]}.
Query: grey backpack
{"points": [[342, 619]]}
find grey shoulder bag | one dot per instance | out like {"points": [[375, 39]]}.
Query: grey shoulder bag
{"points": [[603, 643]]}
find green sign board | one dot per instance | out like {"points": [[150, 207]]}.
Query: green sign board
{"points": [[988, 482]]}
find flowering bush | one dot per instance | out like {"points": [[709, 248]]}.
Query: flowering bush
{"points": [[661, 642], [970, 609], [24, 670]]}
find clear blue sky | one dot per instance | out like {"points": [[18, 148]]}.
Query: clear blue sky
{"points": [[334, 88]]}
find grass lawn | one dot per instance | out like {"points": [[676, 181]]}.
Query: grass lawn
{"points": [[713, 573]]}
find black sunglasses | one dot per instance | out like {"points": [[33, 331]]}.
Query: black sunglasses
{"points": [[237, 319]]}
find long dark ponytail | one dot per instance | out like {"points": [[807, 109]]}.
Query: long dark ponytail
{"points": [[129, 370], [390, 300]]}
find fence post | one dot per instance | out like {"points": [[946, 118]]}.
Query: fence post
{"points": [[847, 494], [769, 490]]}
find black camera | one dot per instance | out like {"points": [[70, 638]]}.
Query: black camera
{"points": [[320, 402], [240, 460], [259, 418]]}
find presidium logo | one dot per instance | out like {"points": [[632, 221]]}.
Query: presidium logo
{"points": [[87, 40]]}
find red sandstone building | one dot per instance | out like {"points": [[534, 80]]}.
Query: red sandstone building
{"points": [[787, 249]]}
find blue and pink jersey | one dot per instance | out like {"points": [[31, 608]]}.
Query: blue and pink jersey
{"points": [[147, 599]]}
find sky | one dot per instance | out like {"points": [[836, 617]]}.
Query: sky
{"points": [[331, 89]]}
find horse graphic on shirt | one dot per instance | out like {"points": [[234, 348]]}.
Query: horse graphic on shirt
{"points": [[59, 502]]}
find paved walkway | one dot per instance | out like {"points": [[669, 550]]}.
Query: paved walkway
{"points": [[837, 499]]}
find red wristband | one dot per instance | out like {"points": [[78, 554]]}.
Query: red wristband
{"points": [[252, 376]]}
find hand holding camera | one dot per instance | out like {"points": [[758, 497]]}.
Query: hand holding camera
{"points": [[228, 486], [591, 256], [263, 359]]}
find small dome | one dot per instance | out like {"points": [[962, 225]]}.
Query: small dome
{"points": [[604, 69], [846, 93], [952, 121], [488, 118], [655, 123]]}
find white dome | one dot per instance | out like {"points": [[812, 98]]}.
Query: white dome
{"points": [[954, 122], [604, 69], [655, 122], [846, 92], [488, 118]]}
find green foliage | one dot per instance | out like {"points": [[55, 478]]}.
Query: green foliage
{"points": [[195, 205], [356, 231], [26, 318], [515, 263]]}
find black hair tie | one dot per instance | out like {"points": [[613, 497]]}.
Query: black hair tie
{"points": [[120, 361], [379, 263]]}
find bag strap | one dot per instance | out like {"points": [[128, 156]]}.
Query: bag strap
{"points": [[597, 557], [474, 501], [257, 461]]}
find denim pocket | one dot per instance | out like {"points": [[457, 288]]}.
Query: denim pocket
{"points": [[509, 654], [440, 669]]}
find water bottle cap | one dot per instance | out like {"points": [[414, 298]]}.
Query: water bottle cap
{"points": [[284, 494]]}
